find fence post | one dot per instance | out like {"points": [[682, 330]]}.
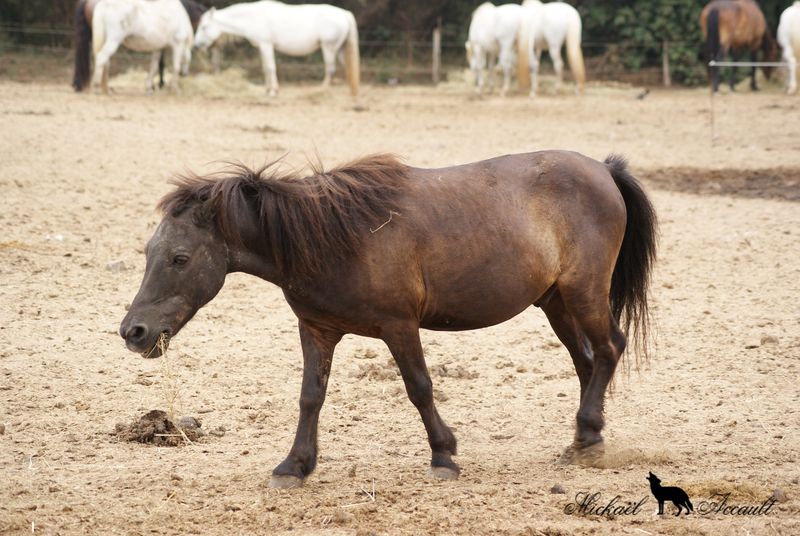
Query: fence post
{"points": [[665, 63], [437, 51]]}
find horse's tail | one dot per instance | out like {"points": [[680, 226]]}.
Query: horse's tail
{"points": [[98, 28], [631, 277], [574, 53], [712, 36], [352, 58], [83, 36], [524, 45]]}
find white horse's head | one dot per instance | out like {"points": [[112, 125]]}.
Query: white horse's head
{"points": [[208, 30]]}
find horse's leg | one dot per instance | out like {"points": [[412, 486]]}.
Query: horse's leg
{"points": [[558, 63], [268, 63], [101, 60], [536, 59], [186, 60], [404, 343], [216, 59], [571, 337], [732, 80], [329, 59], [177, 60], [716, 71], [788, 54], [506, 60], [155, 58], [476, 61], [318, 346], [753, 58], [491, 68], [587, 302]]}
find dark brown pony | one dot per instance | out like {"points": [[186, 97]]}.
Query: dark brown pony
{"points": [[736, 27], [380, 249], [83, 44]]}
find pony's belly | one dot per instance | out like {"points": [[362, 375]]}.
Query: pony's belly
{"points": [[298, 47], [476, 318], [141, 44]]}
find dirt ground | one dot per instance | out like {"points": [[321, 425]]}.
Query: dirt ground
{"points": [[714, 411]]}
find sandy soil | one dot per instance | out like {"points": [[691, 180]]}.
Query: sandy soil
{"points": [[715, 410]]}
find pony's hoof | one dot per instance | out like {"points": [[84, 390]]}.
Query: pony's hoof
{"points": [[443, 473], [587, 456], [285, 482]]}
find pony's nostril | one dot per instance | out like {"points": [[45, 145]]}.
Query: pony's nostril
{"points": [[136, 333]]}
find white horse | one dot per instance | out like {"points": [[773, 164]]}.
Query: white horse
{"points": [[547, 27], [789, 39], [296, 30], [144, 26], [492, 34]]}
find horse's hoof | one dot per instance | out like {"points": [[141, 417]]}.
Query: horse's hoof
{"points": [[285, 482], [443, 473], [577, 455]]}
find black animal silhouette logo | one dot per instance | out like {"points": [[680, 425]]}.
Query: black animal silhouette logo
{"points": [[676, 495]]}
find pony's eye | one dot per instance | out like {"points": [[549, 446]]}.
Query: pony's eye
{"points": [[180, 259]]}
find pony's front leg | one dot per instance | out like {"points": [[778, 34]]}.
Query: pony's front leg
{"points": [[403, 341], [318, 346], [155, 58], [268, 63]]}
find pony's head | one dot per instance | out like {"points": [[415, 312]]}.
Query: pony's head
{"points": [[187, 260], [208, 30]]}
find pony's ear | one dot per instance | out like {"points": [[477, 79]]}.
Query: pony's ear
{"points": [[204, 213], [212, 11]]}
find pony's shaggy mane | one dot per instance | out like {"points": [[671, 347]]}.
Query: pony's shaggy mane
{"points": [[306, 222]]}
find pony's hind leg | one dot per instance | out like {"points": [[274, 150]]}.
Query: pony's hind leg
{"points": [[403, 341], [589, 307], [155, 59], [571, 336], [318, 346], [558, 64], [329, 59], [753, 58], [101, 60]]}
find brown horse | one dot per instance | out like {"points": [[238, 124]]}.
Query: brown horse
{"points": [[736, 26], [380, 249]]}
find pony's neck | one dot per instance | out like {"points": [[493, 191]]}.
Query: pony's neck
{"points": [[251, 255]]}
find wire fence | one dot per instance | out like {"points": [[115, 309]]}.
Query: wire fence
{"points": [[383, 59]]}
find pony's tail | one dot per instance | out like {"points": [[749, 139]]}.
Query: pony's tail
{"points": [[83, 36], [524, 46], [574, 53], [712, 39], [352, 58], [631, 277]]}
